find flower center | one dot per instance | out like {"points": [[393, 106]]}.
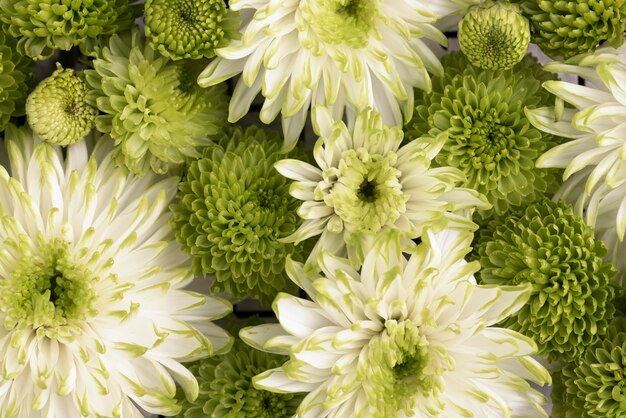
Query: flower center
{"points": [[348, 22], [367, 194], [48, 293]]}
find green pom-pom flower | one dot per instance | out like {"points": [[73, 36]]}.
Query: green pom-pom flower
{"points": [[45, 26], [489, 137], [594, 385], [233, 209], [57, 109], [151, 106], [15, 77], [564, 28], [546, 245], [189, 28], [494, 35]]}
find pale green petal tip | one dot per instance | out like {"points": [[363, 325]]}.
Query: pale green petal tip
{"points": [[57, 109], [494, 35]]}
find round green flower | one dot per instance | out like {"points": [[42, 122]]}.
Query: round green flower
{"points": [[15, 77], [151, 106], [546, 245], [45, 26], [57, 109], [594, 385], [565, 28], [189, 28], [233, 209], [494, 35], [489, 137]]}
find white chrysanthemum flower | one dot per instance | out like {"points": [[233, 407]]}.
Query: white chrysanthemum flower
{"points": [[401, 338], [365, 183], [95, 318], [336, 53], [595, 157]]}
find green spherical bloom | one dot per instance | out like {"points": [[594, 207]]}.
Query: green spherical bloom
{"points": [[565, 28], [489, 137], [594, 385], [57, 109], [546, 245], [494, 35], [233, 209], [15, 77], [151, 106], [45, 26], [189, 28]]}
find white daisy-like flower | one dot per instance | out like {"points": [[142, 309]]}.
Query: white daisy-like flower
{"points": [[401, 338], [365, 183], [96, 321], [594, 158], [336, 53]]}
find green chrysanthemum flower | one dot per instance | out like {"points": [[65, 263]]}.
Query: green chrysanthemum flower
{"points": [[546, 245], [15, 76], [45, 26], [57, 109], [565, 28], [233, 209], [494, 35], [152, 106], [594, 385], [189, 28], [489, 138]]}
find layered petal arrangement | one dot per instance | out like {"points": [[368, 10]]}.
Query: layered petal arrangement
{"points": [[336, 53], [401, 337], [365, 182], [16, 75], [95, 318]]}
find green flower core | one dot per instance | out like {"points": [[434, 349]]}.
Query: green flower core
{"points": [[347, 22], [48, 293], [367, 194]]}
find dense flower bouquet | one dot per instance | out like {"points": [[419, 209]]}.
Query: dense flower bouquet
{"points": [[437, 227]]}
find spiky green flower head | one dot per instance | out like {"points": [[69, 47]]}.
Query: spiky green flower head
{"points": [[42, 27], [151, 106], [547, 245], [489, 138], [401, 337], [16, 76], [189, 28], [494, 35], [57, 109], [566, 28], [95, 317], [594, 385], [232, 212]]}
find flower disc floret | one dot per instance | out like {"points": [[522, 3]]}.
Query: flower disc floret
{"points": [[16, 76], [546, 245]]}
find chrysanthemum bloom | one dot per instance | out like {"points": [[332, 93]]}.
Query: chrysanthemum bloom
{"points": [[15, 77], [152, 106], [593, 157], [95, 318], [489, 138], [494, 35], [566, 28], [57, 109], [232, 210], [548, 246], [401, 338], [42, 27], [365, 182], [594, 385], [189, 28], [335, 53]]}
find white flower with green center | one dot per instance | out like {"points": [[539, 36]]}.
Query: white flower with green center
{"points": [[335, 53], [366, 183], [594, 158], [95, 318], [401, 337]]}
